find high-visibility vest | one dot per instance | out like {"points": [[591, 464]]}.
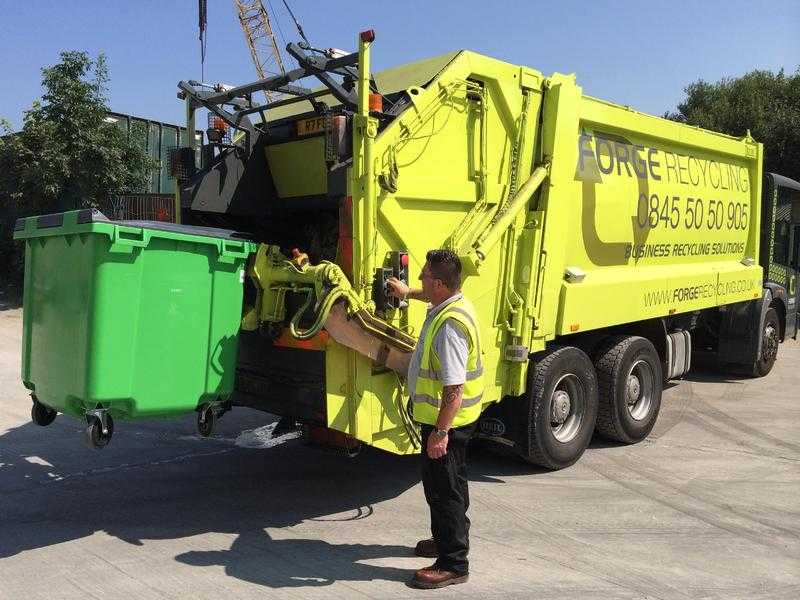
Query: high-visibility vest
{"points": [[427, 396]]}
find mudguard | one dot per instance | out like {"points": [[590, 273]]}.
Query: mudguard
{"points": [[741, 325]]}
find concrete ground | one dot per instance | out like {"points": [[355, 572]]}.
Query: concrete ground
{"points": [[707, 507]]}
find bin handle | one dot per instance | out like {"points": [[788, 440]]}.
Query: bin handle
{"points": [[132, 236], [234, 249]]}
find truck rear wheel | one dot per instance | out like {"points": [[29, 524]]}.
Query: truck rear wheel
{"points": [[770, 338], [630, 383], [562, 394]]}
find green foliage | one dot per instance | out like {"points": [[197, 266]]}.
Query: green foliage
{"points": [[766, 103], [66, 156]]}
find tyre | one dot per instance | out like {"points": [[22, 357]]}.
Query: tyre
{"points": [[42, 415], [562, 396], [95, 438], [206, 419], [630, 382], [770, 338]]}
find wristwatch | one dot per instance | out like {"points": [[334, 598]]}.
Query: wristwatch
{"points": [[440, 433]]}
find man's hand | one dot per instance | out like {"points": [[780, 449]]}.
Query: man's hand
{"points": [[437, 446], [397, 288]]}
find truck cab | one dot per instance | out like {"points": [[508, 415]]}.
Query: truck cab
{"points": [[780, 243]]}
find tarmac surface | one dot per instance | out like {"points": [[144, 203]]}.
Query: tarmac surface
{"points": [[707, 507]]}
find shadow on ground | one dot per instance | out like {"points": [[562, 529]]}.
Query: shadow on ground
{"points": [[10, 298], [710, 374], [159, 481], [152, 483]]}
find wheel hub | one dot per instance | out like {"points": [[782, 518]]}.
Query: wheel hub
{"points": [[770, 343], [639, 392], [567, 407], [560, 407], [634, 388]]}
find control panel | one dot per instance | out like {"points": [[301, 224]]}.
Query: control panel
{"points": [[395, 265]]}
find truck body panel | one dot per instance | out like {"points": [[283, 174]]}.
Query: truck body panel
{"points": [[590, 217]]}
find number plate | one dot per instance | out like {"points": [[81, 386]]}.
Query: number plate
{"points": [[310, 126]]}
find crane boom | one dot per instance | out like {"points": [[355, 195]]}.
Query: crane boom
{"points": [[260, 38]]}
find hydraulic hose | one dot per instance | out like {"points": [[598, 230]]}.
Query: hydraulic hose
{"points": [[327, 284], [325, 308]]}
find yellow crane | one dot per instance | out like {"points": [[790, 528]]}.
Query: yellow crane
{"points": [[260, 39]]}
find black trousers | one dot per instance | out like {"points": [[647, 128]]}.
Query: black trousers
{"points": [[445, 483]]}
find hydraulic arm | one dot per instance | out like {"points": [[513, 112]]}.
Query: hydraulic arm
{"points": [[336, 305]]}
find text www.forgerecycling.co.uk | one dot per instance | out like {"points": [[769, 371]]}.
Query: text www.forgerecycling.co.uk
{"points": [[696, 292]]}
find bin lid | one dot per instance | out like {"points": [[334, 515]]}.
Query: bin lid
{"points": [[227, 234], [92, 220]]}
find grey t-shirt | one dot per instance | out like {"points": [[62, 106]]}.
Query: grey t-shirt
{"points": [[452, 348]]}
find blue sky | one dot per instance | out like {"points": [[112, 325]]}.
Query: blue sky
{"points": [[635, 53]]}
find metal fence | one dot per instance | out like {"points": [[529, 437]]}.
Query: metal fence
{"points": [[156, 139], [141, 207]]}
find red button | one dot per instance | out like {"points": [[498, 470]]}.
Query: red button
{"points": [[404, 260]]}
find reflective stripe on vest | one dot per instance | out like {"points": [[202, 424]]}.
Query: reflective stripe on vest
{"points": [[428, 393]]}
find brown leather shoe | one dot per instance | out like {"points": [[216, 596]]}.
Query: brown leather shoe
{"points": [[433, 577], [426, 549]]}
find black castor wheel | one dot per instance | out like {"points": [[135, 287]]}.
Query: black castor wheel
{"points": [[42, 415], [95, 436], [206, 419]]}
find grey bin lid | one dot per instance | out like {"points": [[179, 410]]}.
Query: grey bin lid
{"points": [[96, 216], [227, 234]]}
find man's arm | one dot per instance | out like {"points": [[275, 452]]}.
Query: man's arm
{"points": [[451, 402], [399, 289]]}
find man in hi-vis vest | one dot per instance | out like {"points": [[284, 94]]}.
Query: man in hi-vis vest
{"points": [[445, 382]]}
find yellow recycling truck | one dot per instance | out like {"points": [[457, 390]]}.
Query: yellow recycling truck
{"points": [[602, 247]]}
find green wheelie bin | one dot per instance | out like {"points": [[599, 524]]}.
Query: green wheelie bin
{"points": [[129, 319]]}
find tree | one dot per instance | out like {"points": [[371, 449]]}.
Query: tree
{"points": [[66, 156], [766, 103]]}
